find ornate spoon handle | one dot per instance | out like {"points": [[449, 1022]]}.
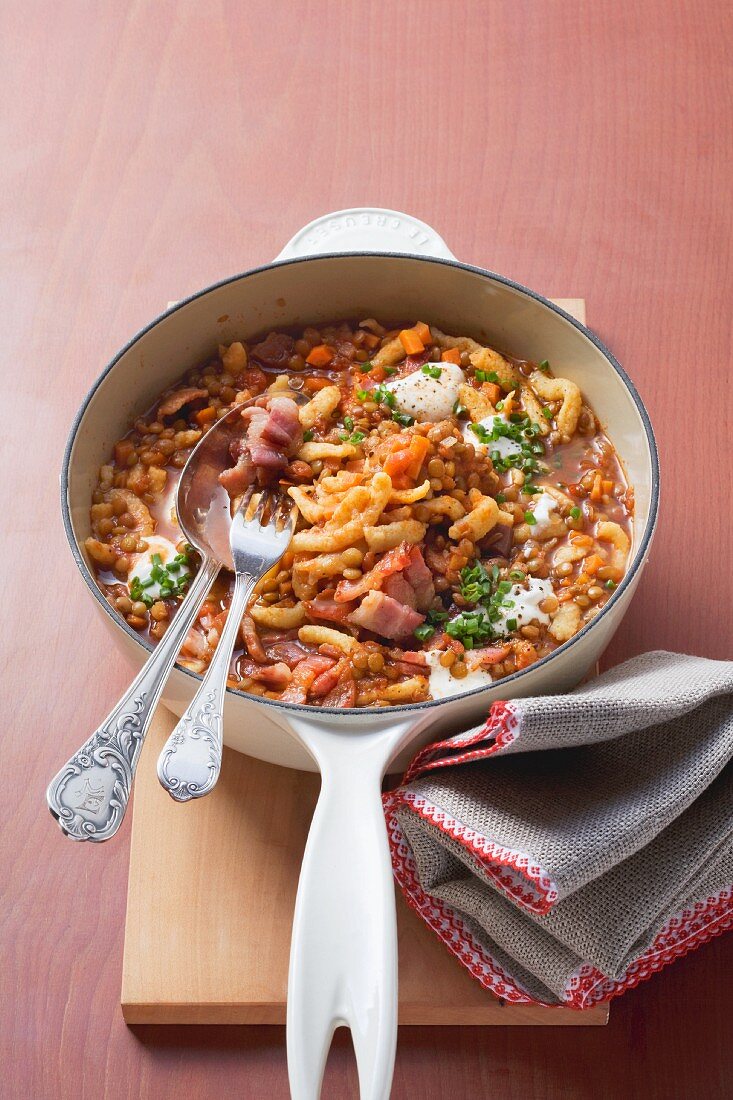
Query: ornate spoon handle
{"points": [[89, 795], [189, 765]]}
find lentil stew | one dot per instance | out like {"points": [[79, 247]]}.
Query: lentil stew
{"points": [[461, 513]]}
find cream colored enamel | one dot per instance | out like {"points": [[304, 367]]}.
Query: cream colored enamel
{"points": [[455, 299]]}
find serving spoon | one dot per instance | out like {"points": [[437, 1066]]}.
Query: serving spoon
{"points": [[89, 795]]}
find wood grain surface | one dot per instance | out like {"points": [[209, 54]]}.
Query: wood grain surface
{"points": [[197, 951], [150, 147]]}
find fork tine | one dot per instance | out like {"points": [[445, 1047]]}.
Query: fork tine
{"points": [[245, 500], [279, 513], [285, 515], [262, 503]]}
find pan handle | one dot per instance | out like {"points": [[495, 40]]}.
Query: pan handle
{"points": [[366, 229], [343, 952]]}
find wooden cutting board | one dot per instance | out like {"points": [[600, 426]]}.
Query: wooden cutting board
{"points": [[211, 895]]}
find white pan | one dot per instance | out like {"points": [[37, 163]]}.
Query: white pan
{"points": [[364, 262]]}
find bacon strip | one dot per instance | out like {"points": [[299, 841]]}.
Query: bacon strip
{"points": [[304, 674], [175, 401], [392, 562], [385, 616]]}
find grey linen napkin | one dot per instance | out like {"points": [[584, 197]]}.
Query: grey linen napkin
{"points": [[574, 844]]}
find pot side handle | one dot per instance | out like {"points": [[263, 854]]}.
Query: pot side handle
{"points": [[366, 229]]}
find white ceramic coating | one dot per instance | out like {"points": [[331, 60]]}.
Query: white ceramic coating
{"points": [[344, 948], [459, 299]]}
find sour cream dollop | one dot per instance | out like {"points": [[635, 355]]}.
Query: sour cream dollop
{"points": [[143, 567], [425, 398], [503, 445], [541, 507], [442, 685], [526, 607]]}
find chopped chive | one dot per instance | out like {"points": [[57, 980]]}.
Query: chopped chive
{"points": [[432, 370], [365, 367], [492, 376], [610, 585], [517, 575], [500, 498], [544, 366], [530, 518], [547, 413], [575, 513], [308, 435], [389, 370], [424, 631], [499, 405], [362, 394], [511, 624], [349, 423]]}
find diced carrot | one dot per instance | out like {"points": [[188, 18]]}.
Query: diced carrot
{"points": [[582, 578], [320, 356], [377, 374], [371, 341], [205, 415], [451, 355], [593, 563], [492, 391], [313, 384], [580, 539], [419, 446], [608, 487], [596, 492], [411, 342], [423, 333], [403, 464], [565, 596], [123, 450]]}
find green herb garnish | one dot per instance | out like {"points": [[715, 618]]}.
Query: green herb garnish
{"points": [[545, 366], [365, 367], [432, 370], [610, 585], [432, 620], [483, 588], [172, 579], [547, 413], [519, 429], [530, 518], [575, 513], [403, 418], [308, 435]]}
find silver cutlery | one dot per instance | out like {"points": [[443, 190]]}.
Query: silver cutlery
{"points": [[189, 765], [89, 795]]}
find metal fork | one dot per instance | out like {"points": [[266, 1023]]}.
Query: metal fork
{"points": [[189, 765]]}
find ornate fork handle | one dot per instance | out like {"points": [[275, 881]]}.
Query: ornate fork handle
{"points": [[89, 795], [189, 765]]}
